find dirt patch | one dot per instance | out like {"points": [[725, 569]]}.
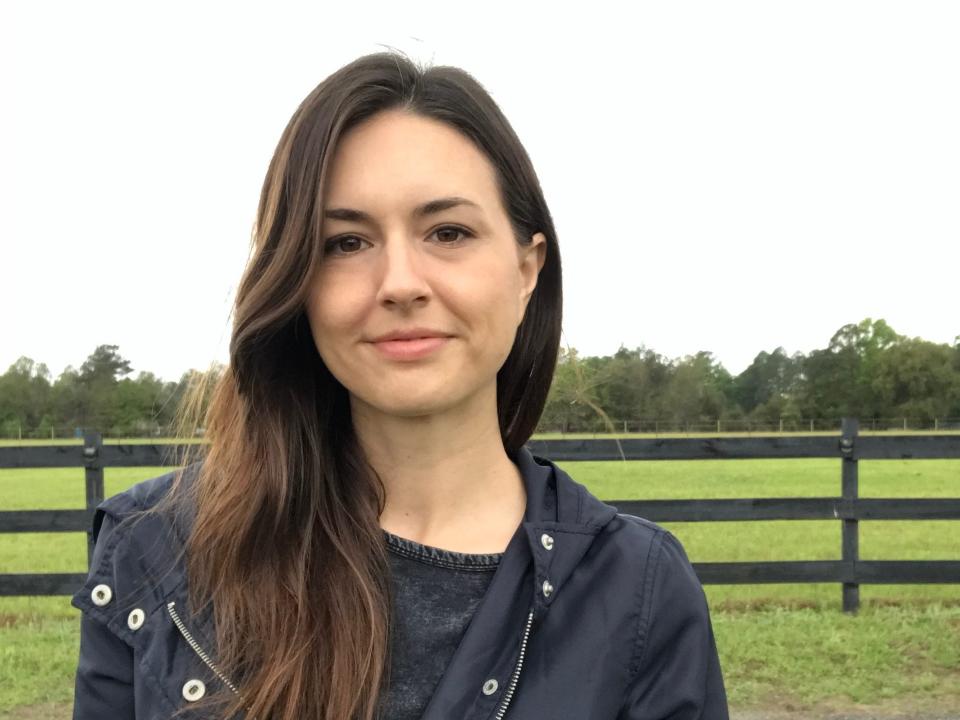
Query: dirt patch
{"points": [[817, 715], [44, 711], [915, 708], [889, 711], [763, 604]]}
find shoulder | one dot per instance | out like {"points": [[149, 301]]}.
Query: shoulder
{"points": [[671, 594], [674, 664], [144, 495], [665, 555], [653, 550], [639, 536], [638, 529], [649, 564], [640, 526], [667, 589], [139, 498]]}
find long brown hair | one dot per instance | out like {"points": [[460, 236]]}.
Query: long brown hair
{"points": [[286, 542]]}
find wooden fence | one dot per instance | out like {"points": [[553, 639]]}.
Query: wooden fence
{"points": [[848, 508]]}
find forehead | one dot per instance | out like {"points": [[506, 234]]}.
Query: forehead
{"points": [[399, 157]]}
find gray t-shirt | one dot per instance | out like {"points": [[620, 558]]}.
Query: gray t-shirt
{"points": [[436, 592]]}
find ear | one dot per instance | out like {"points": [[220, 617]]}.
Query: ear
{"points": [[532, 257]]}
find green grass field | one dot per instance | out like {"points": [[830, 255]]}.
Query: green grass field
{"points": [[781, 646]]}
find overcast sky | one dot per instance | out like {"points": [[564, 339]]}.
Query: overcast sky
{"points": [[724, 176]]}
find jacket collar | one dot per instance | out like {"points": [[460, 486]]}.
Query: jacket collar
{"points": [[560, 523]]}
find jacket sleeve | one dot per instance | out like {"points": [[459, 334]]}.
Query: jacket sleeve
{"points": [[675, 673], [104, 680]]}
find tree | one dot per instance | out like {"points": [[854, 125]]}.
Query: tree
{"points": [[104, 365], [770, 380], [698, 389], [69, 398], [572, 403], [916, 378], [839, 379], [95, 392], [628, 393], [137, 403], [25, 397]]}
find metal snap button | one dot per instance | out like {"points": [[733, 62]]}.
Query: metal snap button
{"points": [[547, 588], [490, 687], [194, 690], [101, 595], [546, 541], [135, 619]]}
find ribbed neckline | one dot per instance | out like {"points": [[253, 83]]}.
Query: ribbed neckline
{"points": [[440, 556]]}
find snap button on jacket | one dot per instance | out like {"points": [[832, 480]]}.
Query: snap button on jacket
{"points": [[591, 614]]}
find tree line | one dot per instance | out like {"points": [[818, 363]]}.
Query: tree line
{"points": [[867, 370]]}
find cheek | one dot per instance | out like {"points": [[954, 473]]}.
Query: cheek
{"points": [[487, 300], [335, 310]]}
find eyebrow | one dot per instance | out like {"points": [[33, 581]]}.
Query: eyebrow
{"points": [[427, 208]]}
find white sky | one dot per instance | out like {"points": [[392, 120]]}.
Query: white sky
{"points": [[726, 176]]}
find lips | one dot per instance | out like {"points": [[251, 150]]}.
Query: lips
{"points": [[410, 334], [412, 349]]}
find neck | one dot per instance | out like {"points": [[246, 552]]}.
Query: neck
{"points": [[449, 481]]}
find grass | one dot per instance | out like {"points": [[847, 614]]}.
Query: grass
{"points": [[781, 646]]}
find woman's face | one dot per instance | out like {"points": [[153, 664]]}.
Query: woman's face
{"points": [[417, 241]]}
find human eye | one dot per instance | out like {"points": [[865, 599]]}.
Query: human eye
{"points": [[452, 234], [343, 245]]}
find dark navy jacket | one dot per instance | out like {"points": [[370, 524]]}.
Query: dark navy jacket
{"points": [[591, 615]]}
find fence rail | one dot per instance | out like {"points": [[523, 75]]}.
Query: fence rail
{"points": [[657, 426], [582, 425], [847, 508]]}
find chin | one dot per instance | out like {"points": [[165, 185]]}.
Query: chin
{"points": [[410, 404]]}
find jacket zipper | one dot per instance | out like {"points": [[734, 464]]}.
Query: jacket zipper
{"points": [[508, 695], [197, 649]]}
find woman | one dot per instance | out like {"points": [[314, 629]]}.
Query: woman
{"points": [[366, 535]]}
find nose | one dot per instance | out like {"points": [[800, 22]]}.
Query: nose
{"points": [[402, 281]]}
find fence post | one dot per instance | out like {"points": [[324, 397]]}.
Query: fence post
{"points": [[851, 526], [92, 444]]}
